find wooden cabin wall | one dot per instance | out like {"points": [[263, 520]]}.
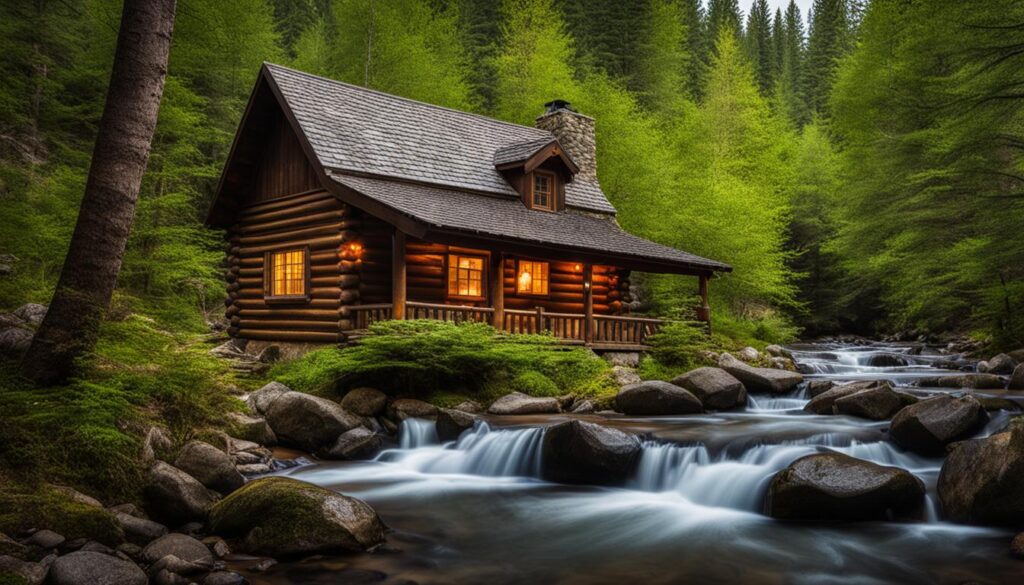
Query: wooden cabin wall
{"points": [[565, 289], [283, 167], [375, 265], [317, 220]]}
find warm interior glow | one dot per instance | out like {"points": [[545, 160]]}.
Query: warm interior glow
{"points": [[525, 281], [533, 278], [577, 267], [465, 276], [289, 273]]}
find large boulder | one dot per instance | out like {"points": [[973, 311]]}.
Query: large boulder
{"points": [[582, 452], [928, 426], [982, 480], [404, 408], [452, 423], [14, 341], [211, 466], [760, 379], [1001, 364], [823, 403], [519, 403], [1017, 378], [139, 531], [308, 422], [94, 568], [260, 400], [173, 496], [281, 516], [357, 443], [816, 387], [971, 381], [714, 387], [886, 360], [833, 486], [655, 397], [365, 401], [876, 403], [182, 546], [16, 571], [31, 313], [252, 428]]}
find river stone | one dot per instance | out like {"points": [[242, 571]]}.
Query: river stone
{"points": [[714, 387], [357, 443], [182, 546], [211, 466], [404, 408], [470, 406], [824, 402], [138, 530], [1017, 379], [178, 566], [77, 496], [625, 376], [156, 444], [32, 313], [260, 400], [749, 354], [583, 407], [45, 539], [1001, 364], [971, 381], [982, 480], [224, 578], [817, 387], [931, 424], [886, 360], [778, 351], [29, 573], [252, 428], [582, 452], [519, 403], [281, 516], [836, 487], [760, 379], [655, 397], [173, 496], [452, 423], [308, 422], [877, 403], [365, 401], [14, 341], [93, 568]]}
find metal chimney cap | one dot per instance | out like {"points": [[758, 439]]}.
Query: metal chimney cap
{"points": [[555, 105]]}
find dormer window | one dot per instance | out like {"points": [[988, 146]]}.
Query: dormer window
{"points": [[543, 193]]}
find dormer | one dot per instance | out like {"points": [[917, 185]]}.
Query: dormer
{"points": [[538, 170]]}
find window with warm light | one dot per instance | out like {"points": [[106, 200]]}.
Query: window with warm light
{"points": [[287, 274], [543, 195], [533, 278], [465, 276]]}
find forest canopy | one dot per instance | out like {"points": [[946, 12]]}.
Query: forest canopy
{"points": [[859, 166]]}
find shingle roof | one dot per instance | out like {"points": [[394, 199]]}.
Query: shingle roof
{"points": [[450, 209], [356, 129], [520, 151]]}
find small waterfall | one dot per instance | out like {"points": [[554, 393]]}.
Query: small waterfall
{"points": [[773, 404], [480, 451], [417, 432]]}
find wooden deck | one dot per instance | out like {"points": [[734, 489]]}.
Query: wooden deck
{"points": [[604, 332]]}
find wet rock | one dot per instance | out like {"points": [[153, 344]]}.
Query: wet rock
{"points": [[250, 469], [93, 546], [470, 406], [365, 401], [625, 376], [31, 313], [1017, 379], [138, 530], [173, 496], [991, 403], [308, 422], [836, 487], [30, 573], [823, 403], [129, 550], [781, 363], [760, 379], [260, 400], [165, 577], [1017, 355], [887, 360], [971, 381], [749, 354], [877, 403], [173, 564], [46, 539], [714, 387], [404, 408], [91, 568], [211, 466], [15, 341], [655, 397], [281, 516], [1001, 365], [778, 351], [582, 452], [931, 424], [252, 428], [452, 423], [182, 546], [817, 387], [224, 578], [217, 546], [353, 444], [519, 403], [583, 407], [982, 480]]}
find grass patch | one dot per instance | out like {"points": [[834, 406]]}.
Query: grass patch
{"points": [[433, 358]]}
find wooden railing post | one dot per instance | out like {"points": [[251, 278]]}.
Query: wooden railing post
{"points": [[398, 275], [705, 309], [588, 304], [540, 320], [497, 278]]}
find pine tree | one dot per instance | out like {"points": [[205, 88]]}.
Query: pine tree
{"points": [[662, 57], [758, 43], [788, 87], [778, 45], [697, 46], [827, 43], [723, 14]]}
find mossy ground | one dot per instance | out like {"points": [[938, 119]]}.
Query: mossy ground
{"points": [[38, 506]]}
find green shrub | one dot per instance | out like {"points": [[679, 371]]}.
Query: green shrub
{"points": [[534, 384], [427, 357], [24, 507]]}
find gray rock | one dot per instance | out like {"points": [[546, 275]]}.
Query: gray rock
{"points": [[211, 466], [31, 313], [15, 341], [365, 401], [8, 320], [357, 443], [470, 406], [1017, 379], [778, 351], [886, 360], [138, 530], [92, 568], [156, 444], [836, 487], [823, 403], [260, 400], [625, 376], [224, 578], [182, 546], [129, 550], [452, 423], [749, 354], [760, 379], [982, 480], [816, 387], [130, 509], [583, 407], [252, 428], [931, 424], [655, 397], [629, 359], [250, 469], [77, 496], [308, 422], [971, 381], [218, 546], [45, 539], [877, 403], [165, 577], [93, 546], [519, 403], [31, 573], [173, 496], [714, 387], [269, 355], [582, 452], [404, 408], [1002, 365], [179, 566]]}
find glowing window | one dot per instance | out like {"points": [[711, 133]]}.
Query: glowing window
{"points": [[543, 191], [465, 276], [288, 273], [533, 278]]}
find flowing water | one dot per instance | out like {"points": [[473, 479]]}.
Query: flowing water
{"points": [[475, 510]]}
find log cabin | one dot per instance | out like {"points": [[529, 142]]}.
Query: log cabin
{"points": [[344, 206]]}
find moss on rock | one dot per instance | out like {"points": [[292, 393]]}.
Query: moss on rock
{"points": [[44, 507]]}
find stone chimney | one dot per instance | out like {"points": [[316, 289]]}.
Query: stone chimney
{"points": [[575, 132]]}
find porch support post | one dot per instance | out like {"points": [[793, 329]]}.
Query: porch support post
{"points": [[398, 275], [497, 284], [588, 304], [704, 311]]}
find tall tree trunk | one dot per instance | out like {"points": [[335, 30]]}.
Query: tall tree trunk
{"points": [[119, 159]]}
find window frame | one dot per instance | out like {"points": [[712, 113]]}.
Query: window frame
{"points": [[268, 276], [519, 271], [484, 281], [552, 190]]}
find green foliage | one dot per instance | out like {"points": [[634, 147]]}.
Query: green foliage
{"points": [[426, 357], [534, 384], [39, 506]]}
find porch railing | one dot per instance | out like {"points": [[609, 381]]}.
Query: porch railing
{"points": [[365, 315], [624, 330], [454, 313]]}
